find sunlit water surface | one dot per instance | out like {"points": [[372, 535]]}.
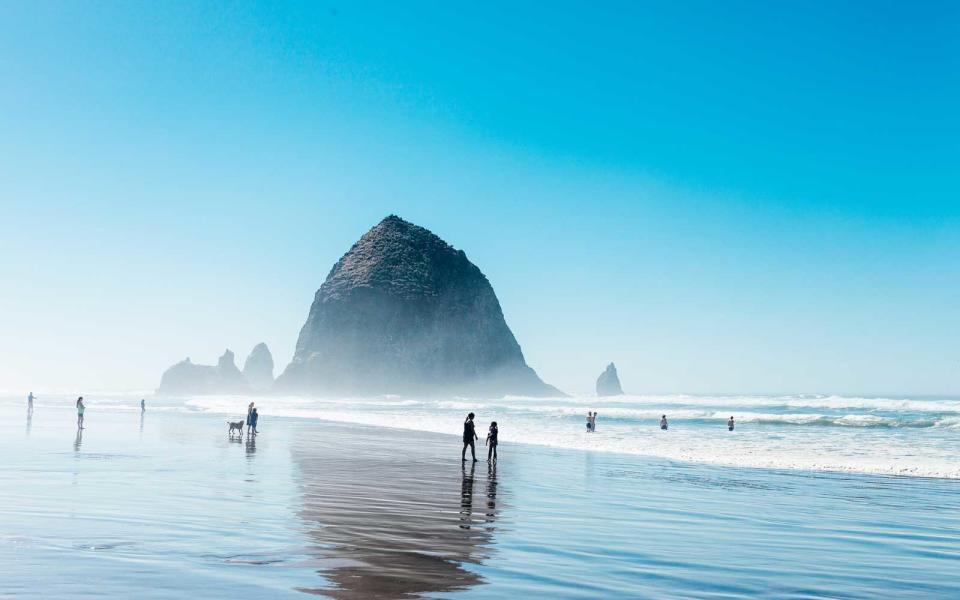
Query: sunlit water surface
{"points": [[166, 505]]}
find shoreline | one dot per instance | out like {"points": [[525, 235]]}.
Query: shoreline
{"points": [[355, 511], [572, 438]]}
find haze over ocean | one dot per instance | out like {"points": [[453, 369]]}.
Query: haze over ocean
{"points": [[751, 208], [736, 198]]}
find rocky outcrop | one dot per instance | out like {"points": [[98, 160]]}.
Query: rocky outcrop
{"points": [[608, 384], [186, 377], [258, 368], [404, 312]]}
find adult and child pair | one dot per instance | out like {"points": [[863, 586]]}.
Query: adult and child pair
{"points": [[470, 435]]}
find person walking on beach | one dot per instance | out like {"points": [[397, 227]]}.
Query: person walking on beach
{"points": [[663, 422], [254, 417], [249, 413], [30, 403], [143, 405], [491, 441], [730, 424], [469, 435], [80, 409]]}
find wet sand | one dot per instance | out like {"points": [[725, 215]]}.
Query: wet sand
{"points": [[169, 506], [398, 516]]}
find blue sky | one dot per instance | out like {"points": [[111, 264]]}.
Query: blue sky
{"points": [[719, 197]]}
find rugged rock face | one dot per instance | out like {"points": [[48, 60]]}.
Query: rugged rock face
{"points": [[404, 312], [608, 384], [188, 378], [258, 368]]}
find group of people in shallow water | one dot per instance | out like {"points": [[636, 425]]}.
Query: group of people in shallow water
{"points": [[81, 407], [470, 436], [251, 422], [592, 422]]}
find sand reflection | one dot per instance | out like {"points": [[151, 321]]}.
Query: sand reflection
{"points": [[388, 525]]}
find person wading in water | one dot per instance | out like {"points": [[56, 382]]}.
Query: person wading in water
{"points": [[469, 436], [80, 409]]}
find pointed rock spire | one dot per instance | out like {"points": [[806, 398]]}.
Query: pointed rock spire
{"points": [[608, 384]]}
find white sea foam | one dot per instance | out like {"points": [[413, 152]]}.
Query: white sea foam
{"points": [[874, 435], [890, 436]]}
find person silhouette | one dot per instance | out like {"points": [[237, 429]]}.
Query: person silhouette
{"points": [[663, 421], [469, 436], [491, 441], [730, 424], [80, 409], [254, 417]]}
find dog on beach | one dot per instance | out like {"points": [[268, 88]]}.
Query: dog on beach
{"points": [[238, 426]]}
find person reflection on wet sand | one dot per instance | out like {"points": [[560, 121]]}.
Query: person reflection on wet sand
{"points": [[251, 446], [29, 422], [466, 496], [78, 441], [491, 492], [389, 525]]}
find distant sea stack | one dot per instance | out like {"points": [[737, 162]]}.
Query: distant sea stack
{"points": [[258, 368], [608, 384], [403, 312], [185, 377]]}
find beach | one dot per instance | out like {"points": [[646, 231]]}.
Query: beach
{"points": [[164, 504]]}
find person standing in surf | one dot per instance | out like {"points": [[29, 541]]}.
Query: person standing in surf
{"points": [[80, 409], [730, 424], [30, 403], [469, 436], [663, 422], [589, 421]]}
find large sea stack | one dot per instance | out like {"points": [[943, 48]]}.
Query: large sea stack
{"points": [[403, 312]]}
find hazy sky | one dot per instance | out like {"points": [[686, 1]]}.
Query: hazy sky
{"points": [[717, 196]]}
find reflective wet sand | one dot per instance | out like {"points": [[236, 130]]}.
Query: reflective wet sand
{"points": [[166, 505], [395, 522]]}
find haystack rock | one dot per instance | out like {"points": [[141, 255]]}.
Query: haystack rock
{"points": [[258, 368], [403, 312], [608, 384], [186, 377]]}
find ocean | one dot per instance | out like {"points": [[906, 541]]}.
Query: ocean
{"points": [[894, 436], [362, 499]]}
